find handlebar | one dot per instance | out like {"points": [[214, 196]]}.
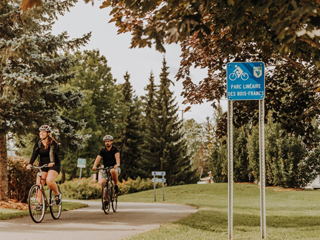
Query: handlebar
{"points": [[35, 167], [104, 168]]}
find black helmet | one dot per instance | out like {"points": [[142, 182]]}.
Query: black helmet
{"points": [[45, 128], [107, 137]]}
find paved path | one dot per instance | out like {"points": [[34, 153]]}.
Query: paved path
{"points": [[92, 223]]}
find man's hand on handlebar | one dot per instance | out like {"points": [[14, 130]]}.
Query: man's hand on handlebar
{"points": [[94, 168]]}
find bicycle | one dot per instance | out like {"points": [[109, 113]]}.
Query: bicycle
{"points": [[108, 193], [38, 201]]}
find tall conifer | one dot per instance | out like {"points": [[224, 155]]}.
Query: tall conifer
{"points": [[130, 140], [167, 148]]}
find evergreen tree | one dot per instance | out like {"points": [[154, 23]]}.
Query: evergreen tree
{"points": [[147, 162], [32, 66], [167, 148], [130, 140]]}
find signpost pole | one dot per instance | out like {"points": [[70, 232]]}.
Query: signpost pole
{"points": [[79, 182], [81, 164], [230, 169], [262, 170], [163, 187], [154, 186]]}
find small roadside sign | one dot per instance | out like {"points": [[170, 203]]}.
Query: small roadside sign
{"points": [[163, 180], [81, 163], [158, 173]]}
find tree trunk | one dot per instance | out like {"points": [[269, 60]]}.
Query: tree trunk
{"points": [[3, 168]]}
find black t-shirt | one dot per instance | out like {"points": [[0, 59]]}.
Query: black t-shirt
{"points": [[108, 157]]}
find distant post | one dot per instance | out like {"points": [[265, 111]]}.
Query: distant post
{"points": [[81, 164], [155, 180]]}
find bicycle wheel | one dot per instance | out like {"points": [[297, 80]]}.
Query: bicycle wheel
{"points": [[114, 200], [105, 198], [36, 204], [245, 76], [55, 209], [232, 76]]}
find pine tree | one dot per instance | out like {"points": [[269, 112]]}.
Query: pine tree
{"points": [[147, 162], [167, 148], [32, 65], [130, 140]]}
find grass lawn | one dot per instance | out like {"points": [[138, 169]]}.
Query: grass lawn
{"points": [[289, 214], [13, 213]]}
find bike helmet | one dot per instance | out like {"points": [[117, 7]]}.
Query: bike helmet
{"points": [[45, 128], [107, 137]]}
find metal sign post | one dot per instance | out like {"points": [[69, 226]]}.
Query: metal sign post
{"points": [[155, 180], [246, 81], [262, 171], [81, 164], [230, 169]]}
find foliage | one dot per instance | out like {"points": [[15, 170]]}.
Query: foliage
{"points": [[92, 190], [130, 138], [20, 180], [288, 161], [166, 149], [88, 189], [99, 111], [32, 66]]}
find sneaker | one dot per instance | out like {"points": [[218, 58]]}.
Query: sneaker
{"points": [[116, 188], [58, 199]]}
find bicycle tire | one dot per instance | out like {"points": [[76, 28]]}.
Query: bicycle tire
{"points": [[55, 209], [245, 76], [114, 200], [233, 76], [105, 198], [35, 210]]}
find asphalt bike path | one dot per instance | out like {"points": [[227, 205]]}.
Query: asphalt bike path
{"points": [[93, 223]]}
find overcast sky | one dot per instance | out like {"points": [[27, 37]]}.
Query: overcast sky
{"points": [[84, 18]]}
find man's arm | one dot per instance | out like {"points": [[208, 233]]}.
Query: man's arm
{"points": [[117, 156], [96, 162]]}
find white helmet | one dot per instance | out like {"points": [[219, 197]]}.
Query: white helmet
{"points": [[46, 128], [108, 137]]}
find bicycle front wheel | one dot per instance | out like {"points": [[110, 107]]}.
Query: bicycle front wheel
{"points": [[36, 204], [105, 198], [55, 209]]}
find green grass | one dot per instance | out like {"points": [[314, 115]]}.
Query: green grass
{"points": [[13, 213], [289, 214]]}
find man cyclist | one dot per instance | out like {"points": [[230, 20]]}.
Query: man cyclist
{"points": [[111, 157]]}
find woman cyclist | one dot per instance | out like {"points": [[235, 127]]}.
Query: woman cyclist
{"points": [[47, 148]]}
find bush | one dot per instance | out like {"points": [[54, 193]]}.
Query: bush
{"points": [[88, 189], [20, 180], [92, 190]]}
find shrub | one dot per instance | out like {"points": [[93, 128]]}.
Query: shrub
{"points": [[92, 190], [20, 180]]}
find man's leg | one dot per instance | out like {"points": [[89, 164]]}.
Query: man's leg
{"points": [[114, 175]]}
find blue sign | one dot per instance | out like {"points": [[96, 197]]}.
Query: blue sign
{"points": [[245, 81]]}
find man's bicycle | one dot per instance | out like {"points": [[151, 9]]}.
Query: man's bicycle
{"points": [[38, 201], [109, 197]]}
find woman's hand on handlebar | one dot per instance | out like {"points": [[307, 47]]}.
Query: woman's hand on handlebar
{"points": [[29, 166]]}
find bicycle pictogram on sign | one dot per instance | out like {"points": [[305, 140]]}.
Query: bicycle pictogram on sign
{"points": [[238, 73]]}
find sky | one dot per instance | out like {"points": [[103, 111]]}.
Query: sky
{"points": [[139, 62]]}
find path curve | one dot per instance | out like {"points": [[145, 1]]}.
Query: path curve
{"points": [[92, 223]]}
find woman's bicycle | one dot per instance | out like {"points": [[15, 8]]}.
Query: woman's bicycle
{"points": [[108, 192], [38, 201]]}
